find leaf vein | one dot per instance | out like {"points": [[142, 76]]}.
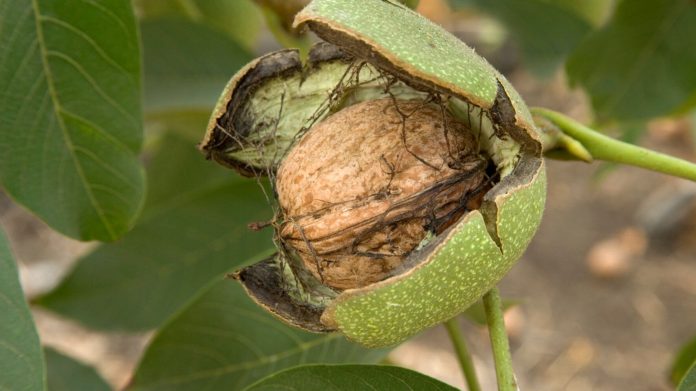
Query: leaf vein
{"points": [[56, 107], [106, 166], [109, 13], [27, 55], [245, 365], [93, 83], [11, 38], [87, 38], [12, 349], [109, 190], [667, 24], [33, 89], [96, 127]]}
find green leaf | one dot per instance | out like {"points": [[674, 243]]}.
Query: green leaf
{"points": [[70, 120], [21, 361], [225, 341], [641, 64], [187, 64], [683, 361], [67, 374], [193, 230], [240, 19], [546, 31], [688, 383], [349, 378]]}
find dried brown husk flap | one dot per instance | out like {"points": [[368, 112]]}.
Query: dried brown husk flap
{"points": [[274, 100], [287, 292]]}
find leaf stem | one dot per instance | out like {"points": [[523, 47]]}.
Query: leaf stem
{"points": [[463, 355], [499, 341], [606, 148]]}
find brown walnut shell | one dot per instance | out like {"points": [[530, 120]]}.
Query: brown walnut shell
{"points": [[403, 169]]}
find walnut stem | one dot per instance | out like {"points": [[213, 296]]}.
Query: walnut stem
{"points": [[499, 341], [463, 355], [606, 148]]}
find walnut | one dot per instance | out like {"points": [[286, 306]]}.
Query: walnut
{"points": [[364, 187]]}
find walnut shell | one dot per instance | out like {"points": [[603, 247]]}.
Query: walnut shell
{"points": [[363, 188]]}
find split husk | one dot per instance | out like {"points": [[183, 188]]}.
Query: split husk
{"points": [[274, 104]]}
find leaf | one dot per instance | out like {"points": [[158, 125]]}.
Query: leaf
{"points": [[193, 230], [683, 361], [70, 121], [688, 383], [641, 64], [349, 378], [183, 73], [546, 31], [225, 341], [239, 19], [21, 360], [67, 374]]}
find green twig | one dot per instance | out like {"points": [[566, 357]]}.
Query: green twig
{"points": [[606, 148], [463, 355], [499, 341]]}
